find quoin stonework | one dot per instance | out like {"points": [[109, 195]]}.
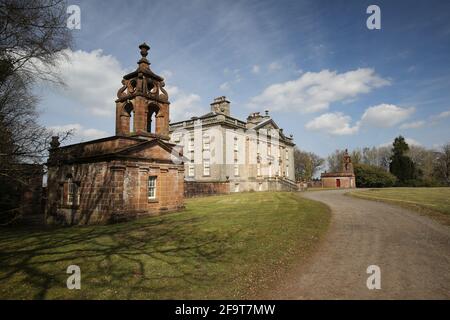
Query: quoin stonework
{"points": [[135, 172], [343, 179], [225, 154]]}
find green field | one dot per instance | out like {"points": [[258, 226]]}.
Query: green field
{"points": [[322, 189], [434, 202], [219, 247]]}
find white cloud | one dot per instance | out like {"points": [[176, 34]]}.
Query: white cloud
{"points": [[256, 69], [333, 123], [65, 127], [413, 142], [79, 132], [183, 105], [166, 74], [92, 79], [409, 141], [173, 91], [412, 68], [274, 66], [315, 91], [442, 115], [224, 86], [385, 115], [90, 134], [413, 125]]}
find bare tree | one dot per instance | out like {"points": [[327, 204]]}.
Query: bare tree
{"points": [[306, 164], [33, 35], [335, 161], [384, 157], [424, 160], [442, 164], [356, 156]]}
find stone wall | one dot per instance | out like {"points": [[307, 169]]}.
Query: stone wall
{"points": [[112, 191], [344, 182], [281, 185], [314, 184], [199, 189], [196, 189]]}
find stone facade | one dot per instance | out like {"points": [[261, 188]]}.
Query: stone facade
{"points": [[201, 189], [136, 172], [343, 179], [252, 155]]}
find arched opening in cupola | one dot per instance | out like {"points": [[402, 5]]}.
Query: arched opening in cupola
{"points": [[130, 111], [153, 110]]}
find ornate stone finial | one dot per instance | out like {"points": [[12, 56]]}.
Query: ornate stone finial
{"points": [[143, 62], [144, 49], [55, 142]]}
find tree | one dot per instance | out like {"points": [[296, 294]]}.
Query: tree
{"points": [[368, 176], [356, 156], [401, 165], [442, 165], [424, 161], [379, 157], [335, 160], [306, 164], [384, 157], [32, 37], [370, 156]]}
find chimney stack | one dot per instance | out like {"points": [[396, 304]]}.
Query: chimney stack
{"points": [[221, 105]]}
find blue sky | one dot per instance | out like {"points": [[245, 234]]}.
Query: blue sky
{"points": [[325, 77]]}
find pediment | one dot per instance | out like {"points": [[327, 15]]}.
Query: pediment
{"points": [[268, 125], [154, 149]]}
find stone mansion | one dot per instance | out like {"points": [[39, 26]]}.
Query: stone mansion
{"points": [[224, 154]]}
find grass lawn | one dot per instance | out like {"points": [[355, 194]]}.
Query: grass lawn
{"points": [[434, 202], [219, 247], [322, 189]]}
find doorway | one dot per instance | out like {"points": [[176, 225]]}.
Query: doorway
{"points": [[338, 183]]}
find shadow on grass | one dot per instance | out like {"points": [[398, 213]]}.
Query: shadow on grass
{"points": [[158, 257]]}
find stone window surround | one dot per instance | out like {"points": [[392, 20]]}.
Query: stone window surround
{"points": [[236, 168], [258, 168], [66, 185], [206, 168], [191, 166], [206, 142], [153, 178]]}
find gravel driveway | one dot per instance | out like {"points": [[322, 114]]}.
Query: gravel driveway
{"points": [[412, 251]]}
